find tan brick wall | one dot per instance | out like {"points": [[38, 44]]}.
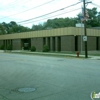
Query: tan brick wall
{"points": [[1, 43], [38, 43], [67, 43], [91, 43], [99, 43], [58, 43], [53, 44], [16, 44], [48, 42]]}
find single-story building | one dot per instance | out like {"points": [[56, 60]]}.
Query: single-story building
{"points": [[60, 39]]}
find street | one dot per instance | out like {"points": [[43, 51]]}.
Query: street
{"points": [[50, 78]]}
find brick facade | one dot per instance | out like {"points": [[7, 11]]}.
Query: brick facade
{"points": [[38, 43], [1, 43], [98, 43], [91, 43], [67, 43], [16, 44], [57, 43]]}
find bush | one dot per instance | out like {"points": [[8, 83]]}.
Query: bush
{"points": [[33, 48], [9, 47], [2, 47], [46, 48]]}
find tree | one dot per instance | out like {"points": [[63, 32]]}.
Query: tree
{"points": [[13, 27], [93, 19], [6, 27], [12, 23], [37, 27], [2, 29], [59, 22]]}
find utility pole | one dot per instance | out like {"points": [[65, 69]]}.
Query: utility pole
{"points": [[85, 34]]}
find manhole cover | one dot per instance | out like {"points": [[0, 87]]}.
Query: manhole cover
{"points": [[26, 89]]}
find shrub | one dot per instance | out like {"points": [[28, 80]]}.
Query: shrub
{"points": [[9, 47], [2, 47], [33, 48], [46, 48]]}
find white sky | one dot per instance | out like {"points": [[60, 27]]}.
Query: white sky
{"points": [[12, 10]]}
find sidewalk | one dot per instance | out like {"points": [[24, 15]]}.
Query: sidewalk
{"points": [[47, 53], [1, 51], [54, 54], [95, 57]]}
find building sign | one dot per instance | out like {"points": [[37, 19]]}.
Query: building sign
{"points": [[79, 25], [84, 38]]}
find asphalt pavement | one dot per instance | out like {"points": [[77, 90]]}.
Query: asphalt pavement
{"points": [[50, 78]]}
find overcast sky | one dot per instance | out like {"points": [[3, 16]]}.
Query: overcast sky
{"points": [[21, 10]]}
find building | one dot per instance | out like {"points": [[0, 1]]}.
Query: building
{"points": [[60, 39]]}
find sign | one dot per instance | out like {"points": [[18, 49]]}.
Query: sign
{"points": [[79, 25], [26, 44], [84, 38], [84, 17]]}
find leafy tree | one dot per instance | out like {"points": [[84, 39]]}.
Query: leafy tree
{"points": [[13, 27], [7, 28], [2, 29], [94, 17], [37, 27], [12, 23], [56, 23]]}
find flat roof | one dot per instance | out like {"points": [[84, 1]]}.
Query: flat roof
{"points": [[52, 32]]}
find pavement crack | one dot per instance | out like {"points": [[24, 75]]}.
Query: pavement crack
{"points": [[48, 95], [3, 97]]}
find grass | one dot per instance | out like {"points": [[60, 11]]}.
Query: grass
{"points": [[54, 54], [60, 54]]}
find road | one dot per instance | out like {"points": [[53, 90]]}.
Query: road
{"points": [[52, 78]]}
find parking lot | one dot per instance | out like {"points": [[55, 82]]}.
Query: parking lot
{"points": [[31, 77]]}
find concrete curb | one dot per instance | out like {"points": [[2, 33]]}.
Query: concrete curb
{"points": [[1, 50], [46, 53], [53, 54]]}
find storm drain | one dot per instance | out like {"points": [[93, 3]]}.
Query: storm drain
{"points": [[25, 90]]}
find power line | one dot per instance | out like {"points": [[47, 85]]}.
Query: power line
{"points": [[52, 16], [49, 13], [29, 9], [15, 3], [96, 5]]}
